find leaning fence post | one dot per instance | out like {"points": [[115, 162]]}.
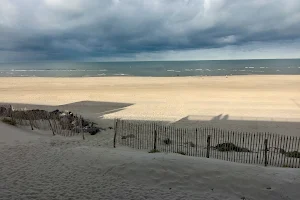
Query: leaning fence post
{"points": [[208, 146], [115, 135], [266, 151], [155, 139]]}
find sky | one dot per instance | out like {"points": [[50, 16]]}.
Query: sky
{"points": [[132, 30]]}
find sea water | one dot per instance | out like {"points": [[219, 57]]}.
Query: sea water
{"points": [[151, 68]]}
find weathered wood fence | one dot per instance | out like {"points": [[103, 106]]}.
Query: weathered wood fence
{"points": [[252, 148], [42, 120]]}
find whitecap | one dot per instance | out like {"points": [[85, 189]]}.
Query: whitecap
{"points": [[121, 74]]}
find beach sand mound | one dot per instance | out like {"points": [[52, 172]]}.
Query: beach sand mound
{"points": [[41, 166]]}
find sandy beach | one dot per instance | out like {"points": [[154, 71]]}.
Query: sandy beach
{"points": [[225, 100], [37, 165]]}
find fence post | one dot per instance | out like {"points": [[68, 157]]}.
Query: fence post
{"points": [[115, 135], [11, 113], [208, 146], [48, 117], [196, 142], [155, 139], [30, 121], [266, 151], [81, 128]]}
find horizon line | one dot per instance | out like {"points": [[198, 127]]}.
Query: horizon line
{"points": [[81, 61]]}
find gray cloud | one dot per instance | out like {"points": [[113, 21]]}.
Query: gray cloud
{"points": [[75, 30]]}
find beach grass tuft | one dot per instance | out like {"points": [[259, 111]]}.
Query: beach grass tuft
{"points": [[181, 152], [154, 151], [167, 141], [9, 121]]}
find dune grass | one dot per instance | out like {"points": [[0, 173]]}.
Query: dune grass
{"points": [[9, 121]]}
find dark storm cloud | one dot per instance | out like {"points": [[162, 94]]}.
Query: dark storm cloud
{"points": [[57, 29]]}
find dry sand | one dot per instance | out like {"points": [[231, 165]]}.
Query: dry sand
{"points": [[227, 101], [42, 166]]}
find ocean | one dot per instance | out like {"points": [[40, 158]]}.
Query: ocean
{"points": [[151, 68]]}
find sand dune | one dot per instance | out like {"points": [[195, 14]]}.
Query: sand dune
{"points": [[40, 166]]}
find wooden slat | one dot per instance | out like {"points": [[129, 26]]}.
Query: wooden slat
{"points": [[262, 148], [268, 148], [211, 133], [298, 149], [138, 138], [282, 147], [253, 141], [165, 129], [219, 140], [143, 135], [276, 139], [234, 136], [196, 144], [255, 148], [239, 136], [290, 149], [286, 150], [188, 137], [184, 145], [176, 139], [206, 135], [291, 163], [248, 140], [271, 149], [231, 152]]}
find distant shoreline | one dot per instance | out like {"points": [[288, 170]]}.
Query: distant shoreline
{"points": [[62, 61], [130, 76]]}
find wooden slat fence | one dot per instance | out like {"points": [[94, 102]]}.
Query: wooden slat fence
{"points": [[42, 121], [252, 148]]}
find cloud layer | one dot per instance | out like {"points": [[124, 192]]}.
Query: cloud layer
{"points": [[80, 29]]}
